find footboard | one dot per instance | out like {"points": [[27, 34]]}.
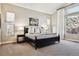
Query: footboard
{"points": [[45, 42], [36, 43]]}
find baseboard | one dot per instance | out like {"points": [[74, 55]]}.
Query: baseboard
{"points": [[8, 42], [0, 43], [72, 40]]}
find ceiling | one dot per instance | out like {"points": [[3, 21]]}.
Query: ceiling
{"points": [[48, 8]]}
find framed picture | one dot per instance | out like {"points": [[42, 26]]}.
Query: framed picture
{"points": [[33, 22]]}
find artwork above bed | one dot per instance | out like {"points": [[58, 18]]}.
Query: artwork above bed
{"points": [[33, 22], [35, 27]]}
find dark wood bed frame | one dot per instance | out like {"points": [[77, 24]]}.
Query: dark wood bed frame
{"points": [[38, 43]]}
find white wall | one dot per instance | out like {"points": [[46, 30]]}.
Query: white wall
{"points": [[22, 18], [54, 22]]}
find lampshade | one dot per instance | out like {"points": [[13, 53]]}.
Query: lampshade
{"points": [[20, 27]]}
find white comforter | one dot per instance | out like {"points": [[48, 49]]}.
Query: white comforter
{"points": [[40, 36]]}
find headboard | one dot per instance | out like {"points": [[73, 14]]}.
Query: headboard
{"points": [[25, 30], [34, 30]]}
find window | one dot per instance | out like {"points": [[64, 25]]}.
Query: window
{"points": [[72, 20], [73, 10]]}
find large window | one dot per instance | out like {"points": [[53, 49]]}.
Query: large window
{"points": [[72, 20]]}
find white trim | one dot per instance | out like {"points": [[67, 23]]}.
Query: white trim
{"points": [[0, 43], [7, 42], [60, 23]]}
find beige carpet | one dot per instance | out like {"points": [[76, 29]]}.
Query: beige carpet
{"points": [[64, 48]]}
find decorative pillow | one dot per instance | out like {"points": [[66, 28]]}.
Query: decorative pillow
{"points": [[37, 30], [43, 31], [31, 30]]}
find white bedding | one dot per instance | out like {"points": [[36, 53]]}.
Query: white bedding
{"points": [[40, 36]]}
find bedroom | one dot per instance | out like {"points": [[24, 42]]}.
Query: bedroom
{"points": [[40, 19]]}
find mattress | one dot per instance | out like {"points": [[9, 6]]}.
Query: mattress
{"points": [[40, 36]]}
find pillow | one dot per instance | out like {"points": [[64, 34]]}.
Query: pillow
{"points": [[43, 31], [31, 30], [37, 30]]}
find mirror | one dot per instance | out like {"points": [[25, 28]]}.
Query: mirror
{"points": [[10, 22]]}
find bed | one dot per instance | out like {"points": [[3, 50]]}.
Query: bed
{"points": [[41, 40]]}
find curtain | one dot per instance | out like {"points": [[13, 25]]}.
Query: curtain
{"points": [[60, 23]]}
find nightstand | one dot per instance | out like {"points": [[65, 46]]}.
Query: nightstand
{"points": [[20, 36]]}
